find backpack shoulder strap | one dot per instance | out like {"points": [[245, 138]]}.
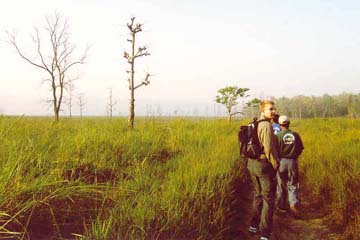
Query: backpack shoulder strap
{"points": [[263, 120]]}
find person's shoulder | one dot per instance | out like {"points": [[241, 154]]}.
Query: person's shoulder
{"points": [[295, 133], [264, 124], [264, 121]]}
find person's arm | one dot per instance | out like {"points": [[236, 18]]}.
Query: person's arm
{"points": [[279, 142], [300, 145]]}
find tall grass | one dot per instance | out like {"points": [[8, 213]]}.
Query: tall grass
{"points": [[330, 165], [167, 179], [94, 178]]}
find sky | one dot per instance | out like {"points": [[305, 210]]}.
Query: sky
{"points": [[274, 48]]}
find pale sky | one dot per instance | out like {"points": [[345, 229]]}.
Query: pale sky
{"points": [[275, 48]]}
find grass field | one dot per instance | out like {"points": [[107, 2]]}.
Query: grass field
{"points": [[167, 179]]}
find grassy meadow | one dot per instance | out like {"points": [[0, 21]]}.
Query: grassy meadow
{"points": [[93, 178]]}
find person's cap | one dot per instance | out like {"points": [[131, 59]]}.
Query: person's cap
{"points": [[283, 120]]}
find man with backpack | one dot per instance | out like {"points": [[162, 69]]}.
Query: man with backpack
{"points": [[290, 147], [262, 165]]}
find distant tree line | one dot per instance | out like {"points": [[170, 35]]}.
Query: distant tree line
{"points": [[342, 105]]}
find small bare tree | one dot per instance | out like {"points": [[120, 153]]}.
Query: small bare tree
{"points": [[70, 97], [56, 57], [81, 103], [111, 104], [141, 51]]}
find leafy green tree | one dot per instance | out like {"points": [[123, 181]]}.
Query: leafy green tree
{"points": [[229, 97]]}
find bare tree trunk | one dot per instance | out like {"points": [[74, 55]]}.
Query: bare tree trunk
{"points": [[56, 114], [132, 95], [229, 115], [111, 104], [71, 89], [61, 95], [81, 104], [131, 111]]}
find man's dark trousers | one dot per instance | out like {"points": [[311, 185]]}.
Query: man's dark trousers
{"points": [[263, 177]]}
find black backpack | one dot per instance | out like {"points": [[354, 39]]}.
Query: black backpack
{"points": [[248, 139]]}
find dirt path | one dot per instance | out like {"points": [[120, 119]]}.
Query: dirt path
{"points": [[311, 225]]}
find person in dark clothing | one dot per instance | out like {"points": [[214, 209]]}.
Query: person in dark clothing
{"points": [[290, 147]]}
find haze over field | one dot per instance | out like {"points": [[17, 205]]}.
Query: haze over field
{"points": [[275, 49]]}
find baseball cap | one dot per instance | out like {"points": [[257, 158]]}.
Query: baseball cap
{"points": [[283, 120]]}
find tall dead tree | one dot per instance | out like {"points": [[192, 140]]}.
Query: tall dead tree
{"points": [[111, 104], [130, 57], [55, 57]]}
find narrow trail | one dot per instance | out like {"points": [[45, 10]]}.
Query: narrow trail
{"points": [[310, 226]]}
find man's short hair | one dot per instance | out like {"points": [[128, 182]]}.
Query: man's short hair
{"points": [[264, 103]]}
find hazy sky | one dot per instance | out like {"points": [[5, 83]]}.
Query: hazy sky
{"points": [[275, 48]]}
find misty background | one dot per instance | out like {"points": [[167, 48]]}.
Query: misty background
{"points": [[277, 48]]}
